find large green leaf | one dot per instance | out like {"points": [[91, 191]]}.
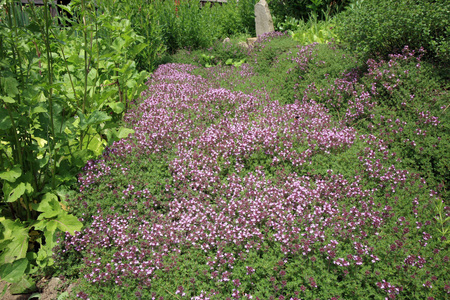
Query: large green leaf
{"points": [[12, 193], [16, 233], [69, 223], [13, 272], [9, 85], [118, 44], [117, 107], [25, 285], [124, 132], [137, 49], [8, 99], [12, 174], [49, 206], [95, 118]]}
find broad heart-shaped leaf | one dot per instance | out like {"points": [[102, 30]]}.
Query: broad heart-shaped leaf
{"points": [[25, 285], [118, 44], [16, 234], [117, 107], [9, 85], [124, 132], [97, 117], [49, 206], [69, 223], [136, 49], [12, 174], [13, 272], [96, 145], [15, 192]]}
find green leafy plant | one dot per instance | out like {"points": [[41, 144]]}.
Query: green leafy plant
{"points": [[381, 27], [207, 60], [235, 63], [315, 31], [63, 91], [301, 9]]}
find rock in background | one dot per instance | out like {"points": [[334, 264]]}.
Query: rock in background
{"points": [[263, 18]]}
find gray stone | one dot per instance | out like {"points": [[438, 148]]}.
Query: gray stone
{"points": [[251, 41], [263, 18], [243, 44]]}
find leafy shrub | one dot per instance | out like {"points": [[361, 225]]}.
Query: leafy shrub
{"points": [[188, 25], [185, 24], [301, 9], [143, 16], [384, 27], [63, 91], [315, 31]]}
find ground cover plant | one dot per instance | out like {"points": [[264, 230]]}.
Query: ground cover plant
{"points": [[338, 190]]}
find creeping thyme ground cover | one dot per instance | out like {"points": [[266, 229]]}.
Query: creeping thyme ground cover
{"points": [[336, 190]]}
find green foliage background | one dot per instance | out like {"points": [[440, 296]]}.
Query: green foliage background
{"points": [[381, 27]]}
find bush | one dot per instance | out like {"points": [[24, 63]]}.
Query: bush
{"points": [[381, 27], [301, 9], [143, 17], [188, 25]]}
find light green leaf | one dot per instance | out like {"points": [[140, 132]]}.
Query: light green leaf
{"points": [[16, 235], [18, 191], [117, 107], [13, 272], [69, 223], [137, 49], [118, 44], [124, 132], [12, 174], [42, 97], [8, 99], [97, 117], [131, 83], [96, 145], [49, 206], [38, 109], [25, 285]]}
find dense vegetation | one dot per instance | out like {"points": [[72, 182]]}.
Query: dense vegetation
{"points": [[286, 170]]}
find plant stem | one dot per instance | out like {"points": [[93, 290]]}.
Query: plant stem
{"points": [[50, 92], [68, 72], [22, 81], [86, 67]]}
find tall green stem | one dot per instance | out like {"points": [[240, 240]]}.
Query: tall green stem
{"points": [[22, 81], [50, 95], [86, 67]]}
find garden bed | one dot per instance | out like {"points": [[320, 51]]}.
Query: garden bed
{"points": [[221, 194]]}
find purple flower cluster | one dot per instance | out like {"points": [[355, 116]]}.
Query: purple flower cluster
{"points": [[221, 196]]}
